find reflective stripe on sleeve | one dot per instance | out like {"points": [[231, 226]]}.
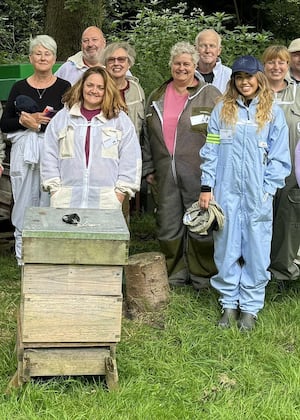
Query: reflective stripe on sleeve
{"points": [[213, 138]]}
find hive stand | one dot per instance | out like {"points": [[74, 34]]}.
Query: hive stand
{"points": [[71, 294]]}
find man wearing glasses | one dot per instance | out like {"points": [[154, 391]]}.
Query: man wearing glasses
{"points": [[210, 67]]}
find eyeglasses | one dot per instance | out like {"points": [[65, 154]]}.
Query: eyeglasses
{"points": [[112, 60]]}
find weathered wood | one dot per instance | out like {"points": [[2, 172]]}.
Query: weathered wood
{"points": [[7, 239], [74, 251], [100, 238], [147, 287], [111, 373], [6, 199], [71, 294], [39, 345], [66, 361], [72, 279], [75, 318]]}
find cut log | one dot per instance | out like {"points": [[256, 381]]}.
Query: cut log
{"points": [[147, 287]]}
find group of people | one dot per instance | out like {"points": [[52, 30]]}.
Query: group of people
{"points": [[208, 134]]}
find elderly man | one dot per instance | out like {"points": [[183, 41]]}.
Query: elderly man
{"points": [[210, 67], [92, 44], [294, 50]]}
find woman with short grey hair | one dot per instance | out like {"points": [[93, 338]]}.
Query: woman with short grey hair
{"points": [[25, 119], [184, 48], [177, 114], [118, 58], [45, 41]]}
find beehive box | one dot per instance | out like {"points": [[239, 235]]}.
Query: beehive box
{"points": [[71, 297], [100, 238]]}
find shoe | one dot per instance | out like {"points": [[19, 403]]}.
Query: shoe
{"points": [[228, 318], [178, 283], [246, 321]]}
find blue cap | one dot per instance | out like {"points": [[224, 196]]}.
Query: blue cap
{"points": [[247, 64], [26, 103]]}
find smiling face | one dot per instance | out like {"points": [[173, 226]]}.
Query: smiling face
{"points": [[208, 48], [92, 43], [117, 64], [42, 59], [246, 84], [276, 69], [183, 69], [93, 91]]}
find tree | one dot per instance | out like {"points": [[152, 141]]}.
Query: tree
{"points": [[18, 21], [65, 21], [283, 16]]}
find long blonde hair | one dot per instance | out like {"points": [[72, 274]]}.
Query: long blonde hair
{"points": [[229, 112], [112, 102]]}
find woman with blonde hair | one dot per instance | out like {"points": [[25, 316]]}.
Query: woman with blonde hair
{"points": [[91, 157], [246, 158], [286, 233]]}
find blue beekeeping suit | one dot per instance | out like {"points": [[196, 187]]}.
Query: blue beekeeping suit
{"points": [[244, 165]]}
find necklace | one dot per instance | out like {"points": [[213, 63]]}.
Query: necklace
{"points": [[41, 93]]}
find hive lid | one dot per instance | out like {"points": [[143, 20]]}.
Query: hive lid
{"points": [[93, 224]]}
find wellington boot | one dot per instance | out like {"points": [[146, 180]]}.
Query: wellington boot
{"points": [[228, 318], [246, 321]]}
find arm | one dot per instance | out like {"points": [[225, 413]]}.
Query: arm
{"points": [[13, 121], [209, 154], [148, 165], [279, 158], [130, 162], [10, 118], [49, 162]]}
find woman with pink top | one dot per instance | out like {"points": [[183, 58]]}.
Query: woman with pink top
{"points": [[177, 114]]}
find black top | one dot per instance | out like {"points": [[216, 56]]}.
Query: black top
{"points": [[208, 77], [51, 96]]}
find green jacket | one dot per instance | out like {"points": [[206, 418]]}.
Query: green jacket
{"points": [[184, 164]]}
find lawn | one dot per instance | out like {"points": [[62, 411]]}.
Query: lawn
{"points": [[176, 364]]}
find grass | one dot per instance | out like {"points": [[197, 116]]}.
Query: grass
{"points": [[178, 366]]}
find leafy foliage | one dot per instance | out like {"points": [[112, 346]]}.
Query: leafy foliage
{"points": [[19, 21], [155, 31], [283, 16]]}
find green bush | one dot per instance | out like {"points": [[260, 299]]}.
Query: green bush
{"points": [[154, 32]]}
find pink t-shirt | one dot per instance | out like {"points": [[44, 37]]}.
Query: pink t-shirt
{"points": [[173, 106]]}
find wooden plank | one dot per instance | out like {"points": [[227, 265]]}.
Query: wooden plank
{"points": [[72, 279], [33, 345], [75, 361], [73, 318], [94, 224], [74, 251]]}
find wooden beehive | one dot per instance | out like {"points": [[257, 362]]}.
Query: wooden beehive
{"points": [[71, 297]]}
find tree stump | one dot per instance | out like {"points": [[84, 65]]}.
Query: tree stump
{"points": [[147, 287]]}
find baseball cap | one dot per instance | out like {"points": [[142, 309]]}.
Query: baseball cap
{"points": [[294, 45], [26, 103], [247, 64]]}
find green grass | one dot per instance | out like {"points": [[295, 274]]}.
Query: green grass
{"points": [[176, 365]]}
